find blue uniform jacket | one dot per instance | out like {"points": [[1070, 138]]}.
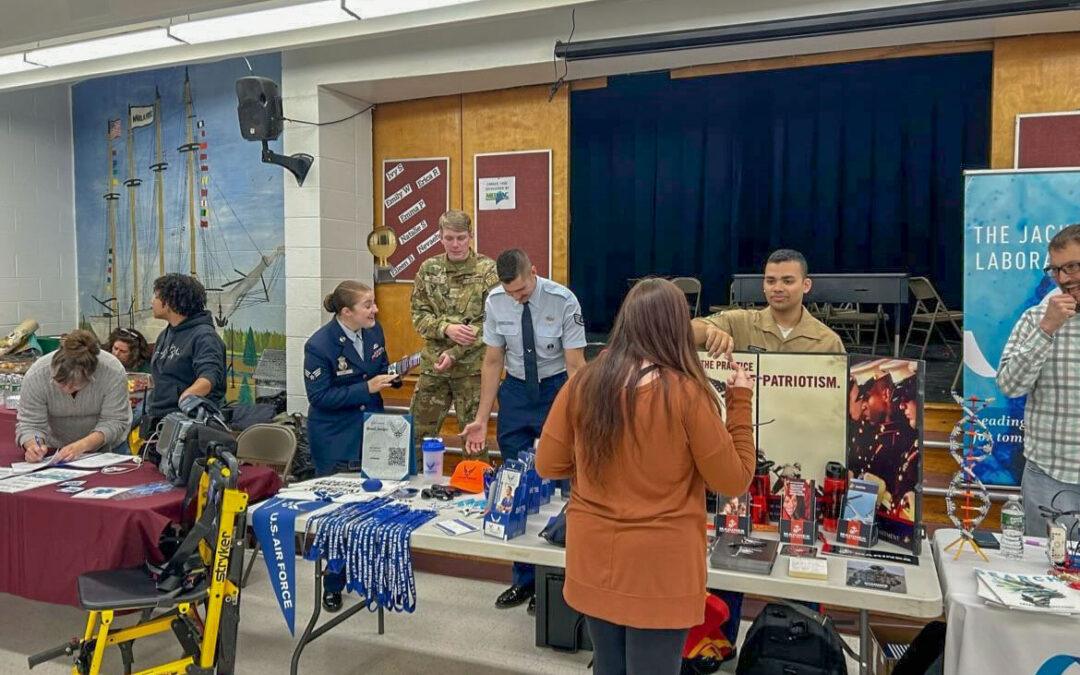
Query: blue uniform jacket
{"points": [[336, 380]]}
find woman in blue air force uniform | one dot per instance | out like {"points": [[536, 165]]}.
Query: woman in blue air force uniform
{"points": [[345, 366]]}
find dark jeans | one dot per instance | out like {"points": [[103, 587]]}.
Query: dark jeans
{"points": [[621, 650]]}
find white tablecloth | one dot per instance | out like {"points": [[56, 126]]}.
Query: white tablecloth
{"points": [[982, 640]]}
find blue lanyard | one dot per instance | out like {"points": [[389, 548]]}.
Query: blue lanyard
{"points": [[369, 542]]}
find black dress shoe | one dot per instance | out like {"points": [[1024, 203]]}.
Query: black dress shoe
{"points": [[513, 596], [331, 600], [531, 609]]}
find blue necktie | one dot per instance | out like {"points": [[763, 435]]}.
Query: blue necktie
{"points": [[358, 345], [528, 341]]}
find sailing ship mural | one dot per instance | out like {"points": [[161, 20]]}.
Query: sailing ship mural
{"points": [[165, 183]]}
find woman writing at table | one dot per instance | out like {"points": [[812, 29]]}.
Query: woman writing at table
{"points": [[74, 399]]}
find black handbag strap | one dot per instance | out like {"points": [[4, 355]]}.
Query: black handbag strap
{"points": [[825, 622]]}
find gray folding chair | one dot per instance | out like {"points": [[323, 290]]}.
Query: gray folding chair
{"points": [[930, 312], [691, 287], [271, 445]]}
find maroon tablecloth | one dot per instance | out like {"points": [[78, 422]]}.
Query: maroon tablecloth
{"points": [[47, 539]]}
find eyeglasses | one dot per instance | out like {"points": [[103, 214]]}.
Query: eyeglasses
{"points": [[128, 332], [1069, 268]]}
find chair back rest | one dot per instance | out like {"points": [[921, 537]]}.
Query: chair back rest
{"points": [[272, 445], [690, 287], [687, 284], [922, 289]]}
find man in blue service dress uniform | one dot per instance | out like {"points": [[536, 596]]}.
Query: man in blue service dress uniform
{"points": [[534, 327], [345, 364]]}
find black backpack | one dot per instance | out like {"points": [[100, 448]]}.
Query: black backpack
{"points": [[792, 640]]}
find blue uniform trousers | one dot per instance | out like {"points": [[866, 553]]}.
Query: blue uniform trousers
{"points": [[519, 425]]}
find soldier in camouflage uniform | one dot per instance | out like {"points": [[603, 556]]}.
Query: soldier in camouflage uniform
{"points": [[448, 312]]}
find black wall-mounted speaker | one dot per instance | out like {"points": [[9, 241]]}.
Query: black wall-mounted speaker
{"points": [[259, 108]]}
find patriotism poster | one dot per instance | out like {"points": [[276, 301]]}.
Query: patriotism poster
{"points": [[415, 193], [1009, 217], [884, 410], [798, 407], [801, 410]]}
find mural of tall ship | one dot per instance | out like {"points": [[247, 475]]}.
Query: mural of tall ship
{"points": [[212, 210]]}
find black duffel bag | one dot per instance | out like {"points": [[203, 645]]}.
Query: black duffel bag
{"points": [[790, 639]]}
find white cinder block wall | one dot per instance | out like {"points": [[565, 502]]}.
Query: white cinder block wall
{"points": [[328, 219], [37, 211]]}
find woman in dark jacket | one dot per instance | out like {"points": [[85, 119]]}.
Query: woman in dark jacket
{"points": [[345, 366]]}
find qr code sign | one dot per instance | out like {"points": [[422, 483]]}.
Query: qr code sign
{"points": [[398, 456]]}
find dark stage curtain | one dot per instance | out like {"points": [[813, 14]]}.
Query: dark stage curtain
{"points": [[856, 165]]}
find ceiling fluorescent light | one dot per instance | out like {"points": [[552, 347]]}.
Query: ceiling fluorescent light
{"points": [[370, 9], [113, 45], [15, 63], [292, 17]]}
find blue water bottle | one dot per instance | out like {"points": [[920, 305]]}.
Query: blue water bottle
{"points": [[432, 449]]}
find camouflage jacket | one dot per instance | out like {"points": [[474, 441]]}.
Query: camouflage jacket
{"points": [[447, 292]]}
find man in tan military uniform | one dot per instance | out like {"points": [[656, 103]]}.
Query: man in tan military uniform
{"points": [[783, 326], [448, 312]]}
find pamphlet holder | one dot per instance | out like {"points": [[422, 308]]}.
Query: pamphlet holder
{"points": [[508, 502], [856, 533]]}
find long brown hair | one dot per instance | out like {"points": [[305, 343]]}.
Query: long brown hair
{"points": [[76, 359], [653, 325], [140, 350]]}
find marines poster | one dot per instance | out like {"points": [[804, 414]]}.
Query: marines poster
{"points": [[885, 409]]}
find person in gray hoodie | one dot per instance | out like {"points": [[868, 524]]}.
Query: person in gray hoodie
{"points": [[189, 356]]}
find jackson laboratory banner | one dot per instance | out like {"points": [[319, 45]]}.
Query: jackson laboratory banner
{"points": [[1009, 217]]}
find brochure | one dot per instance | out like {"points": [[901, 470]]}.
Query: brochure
{"points": [[1030, 592], [862, 574]]}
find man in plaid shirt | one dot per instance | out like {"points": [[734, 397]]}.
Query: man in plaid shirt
{"points": [[1042, 359]]}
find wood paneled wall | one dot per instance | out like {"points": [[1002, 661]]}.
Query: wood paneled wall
{"points": [[1032, 74], [429, 127], [458, 127]]}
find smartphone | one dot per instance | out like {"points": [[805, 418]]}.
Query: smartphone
{"points": [[985, 539]]}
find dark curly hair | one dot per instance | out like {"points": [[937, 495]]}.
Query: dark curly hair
{"points": [[140, 349], [182, 294]]}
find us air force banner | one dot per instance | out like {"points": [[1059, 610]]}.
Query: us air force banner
{"points": [[273, 524]]}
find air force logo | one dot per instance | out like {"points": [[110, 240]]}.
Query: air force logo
{"points": [[313, 374]]}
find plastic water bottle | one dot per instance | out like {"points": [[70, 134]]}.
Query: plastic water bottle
{"points": [[1012, 529], [432, 449]]}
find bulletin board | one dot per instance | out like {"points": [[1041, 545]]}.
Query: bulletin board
{"points": [[513, 205], [1047, 140], [415, 193]]}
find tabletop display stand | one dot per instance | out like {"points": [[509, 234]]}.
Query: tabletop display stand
{"points": [[970, 442]]}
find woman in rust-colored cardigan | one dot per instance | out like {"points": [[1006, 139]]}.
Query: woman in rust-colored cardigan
{"points": [[639, 432]]}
